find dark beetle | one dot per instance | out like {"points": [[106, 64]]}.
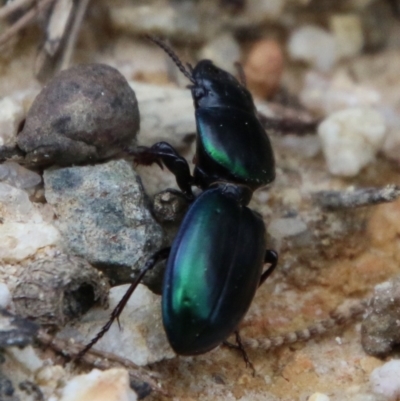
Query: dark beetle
{"points": [[216, 261], [213, 270]]}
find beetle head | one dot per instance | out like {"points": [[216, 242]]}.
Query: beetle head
{"points": [[215, 87]]}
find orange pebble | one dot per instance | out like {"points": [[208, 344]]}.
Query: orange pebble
{"points": [[264, 67]]}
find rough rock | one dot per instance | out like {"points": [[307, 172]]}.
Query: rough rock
{"points": [[381, 328], [103, 216]]}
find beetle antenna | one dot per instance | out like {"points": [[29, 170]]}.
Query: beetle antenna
{"points": [[174, 57]]}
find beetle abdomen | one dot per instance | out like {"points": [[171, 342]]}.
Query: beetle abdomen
{"points": [[212, 273], [236, 141]]}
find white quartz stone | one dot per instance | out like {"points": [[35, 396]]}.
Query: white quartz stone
{"points": [[110, 385], [313, 45], [18, 176], [23, 230], [385, 380], [318, 397], [350, 139], [286, 227], [11, 114], [27, 357], [5, 296], [20, 240], [224, 51], [348, 33], [325, 95]]}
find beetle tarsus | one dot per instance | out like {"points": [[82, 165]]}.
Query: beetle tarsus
{"points": [[271, 257], [245, 356], [164, 153], [239, 347]]}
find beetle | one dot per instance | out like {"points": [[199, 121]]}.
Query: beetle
{"points": [[215, 263]]}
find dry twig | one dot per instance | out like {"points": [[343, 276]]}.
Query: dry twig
{"points": [[24, 21], [16, 5], [73, 34], [99, 359]]}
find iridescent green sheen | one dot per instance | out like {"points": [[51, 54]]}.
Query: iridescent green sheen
{"points": [[220, 153], [190, 280], [235, 141], [193, 295]]}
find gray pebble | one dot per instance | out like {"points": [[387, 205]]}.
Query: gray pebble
{"points": [[15, 331], [86, 113], [381, 328], [7, 392]]}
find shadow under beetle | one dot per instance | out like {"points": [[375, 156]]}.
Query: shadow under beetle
{"points": [[215, 263]]}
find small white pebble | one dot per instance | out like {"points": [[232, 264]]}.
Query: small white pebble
{"points": [[348, 32], [318, 397], [110, 385], [385, 380], [313, 45], [339, 340], [223, 50], [5, 296], [27, 357], [286, 227], [11, 114], [350, 139], [18, 176]]}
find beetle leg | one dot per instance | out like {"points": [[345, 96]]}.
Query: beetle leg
{"points": [[159, 255], [244, 353], [271, 257], [239, 346], [163, 152]]}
